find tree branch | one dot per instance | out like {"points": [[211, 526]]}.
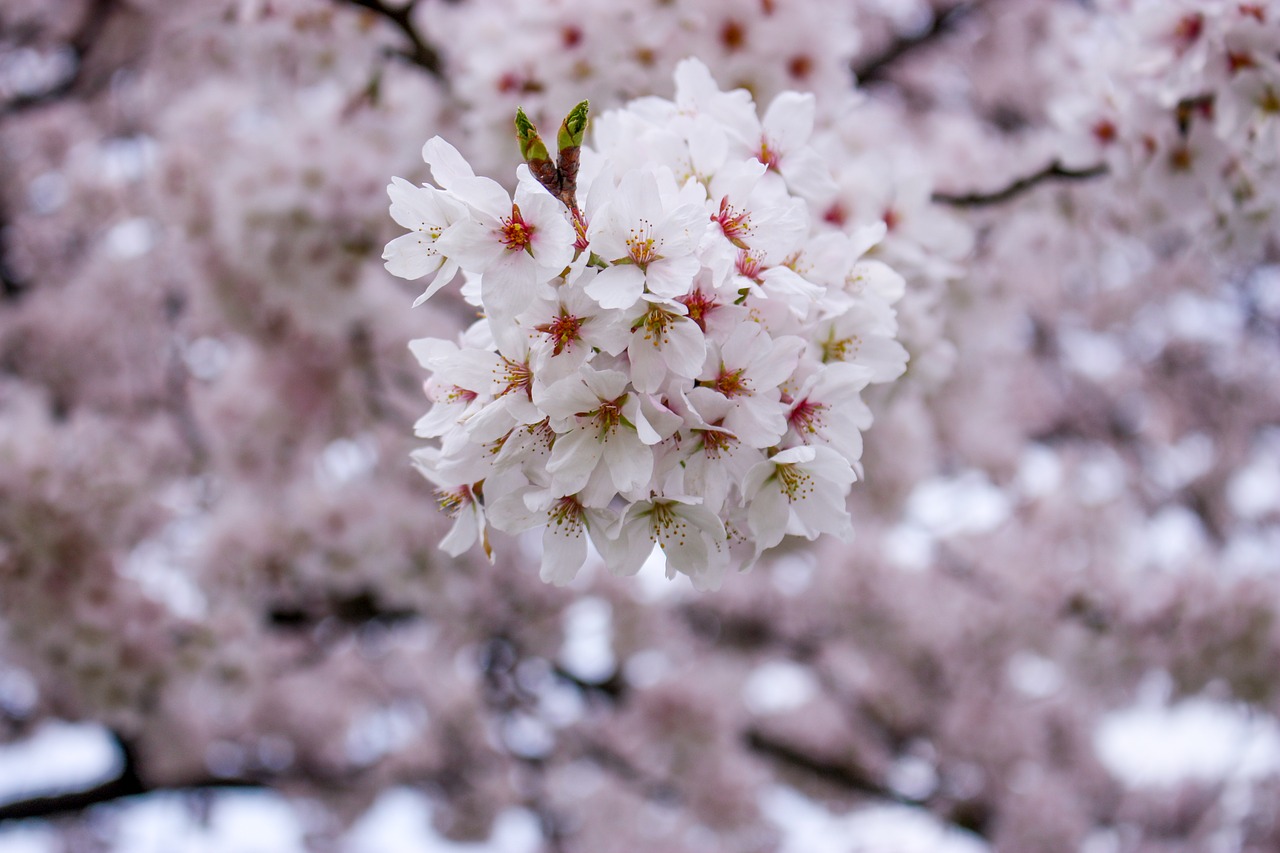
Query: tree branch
{"points": [[85, 36], [1055, 171], [11, 286], [127, 784], [420, 52], [970, 816], [874, 68]]}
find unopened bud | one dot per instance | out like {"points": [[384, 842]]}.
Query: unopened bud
{"points": [[531, 144], [535, 153], [573, 128]]}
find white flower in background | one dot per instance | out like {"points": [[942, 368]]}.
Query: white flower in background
{"points": [[676, 362]]}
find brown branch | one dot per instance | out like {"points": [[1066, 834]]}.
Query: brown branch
{"points": [[875, 68], [420, 52], [1055, 171], [81, 43], [839, 775], [11, 287], [971, 816], [129, 783]]}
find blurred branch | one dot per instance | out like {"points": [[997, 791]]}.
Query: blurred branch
{"points": [[127, 784], [420, 52], [874, 68], [1055, 171], [81, 43], [840, 775], [11, 286], [970, 816]]}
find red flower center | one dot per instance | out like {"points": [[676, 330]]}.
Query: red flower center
{"points": [[516, 233]]}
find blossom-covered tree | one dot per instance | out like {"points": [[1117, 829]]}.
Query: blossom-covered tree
{"points": [[933, 341]]}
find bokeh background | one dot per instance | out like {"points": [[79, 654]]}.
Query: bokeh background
{"points": [[224, 622]]}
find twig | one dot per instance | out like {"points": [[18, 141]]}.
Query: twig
{"points": [[1054, 171], [420, 53], [876, 67]]}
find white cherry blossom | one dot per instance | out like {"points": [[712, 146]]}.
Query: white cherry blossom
{"points": [[673, 357], [800, 491]]}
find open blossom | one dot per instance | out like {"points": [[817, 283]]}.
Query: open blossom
{"points": [[599, 425], [692, 539], [648, 239], [676, 362], [799, 491], [664, 340]]}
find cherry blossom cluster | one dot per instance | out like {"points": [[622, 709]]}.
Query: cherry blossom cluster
{"points": [[676, 361], [1183, 98]]}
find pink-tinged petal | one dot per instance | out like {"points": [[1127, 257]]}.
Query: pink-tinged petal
{"points": [[757, 422], [662, 420], [685, 348], [846, 441], [472, 244], [510, 284], [630, 462], [573, 458], [447, 165], [606, 384], [475, 370], [413, 255], [878, 278], [421, 208], [490, 423], [671, 276], [633, 412], [438, 420], [625, 555], [795, 456], [648, 367], [564, 550], [448, 271], [743, 343], [483, 195], [832, 467], [431, 352], [885, 357], [769, 372], [786, 284], [822, 510], [841, 382], [564, 399], [618, 286], [466, 529], [768, 512], [807, 175], [685, 548], [788, 122]]}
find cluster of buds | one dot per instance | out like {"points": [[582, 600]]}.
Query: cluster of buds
{"points": [[671, 348]]}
